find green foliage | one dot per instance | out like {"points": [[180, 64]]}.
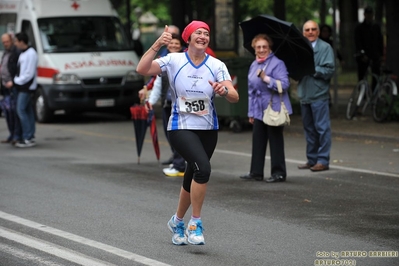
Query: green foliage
{"points": [[395, 109], [160, 10], [251, 8], [297, 11]]}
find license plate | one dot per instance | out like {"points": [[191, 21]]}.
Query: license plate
{"points": [[105, 102]]}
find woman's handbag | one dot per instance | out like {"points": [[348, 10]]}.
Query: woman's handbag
{"points": [[273, 118]]}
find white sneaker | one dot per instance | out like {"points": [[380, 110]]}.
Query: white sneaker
{"points": [[25, 143], [172, 172], [178, 238], [194, 233]]}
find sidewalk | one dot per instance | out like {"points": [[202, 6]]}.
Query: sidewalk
{"points": [[361, 127]]}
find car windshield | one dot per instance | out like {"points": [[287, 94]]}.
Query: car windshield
{"points": [[82, 34]]}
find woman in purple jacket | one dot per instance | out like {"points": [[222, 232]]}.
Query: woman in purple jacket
{"points": [[262, 76]]}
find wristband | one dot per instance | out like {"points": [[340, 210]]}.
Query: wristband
{"points": [[154, 50], [226, 91]]}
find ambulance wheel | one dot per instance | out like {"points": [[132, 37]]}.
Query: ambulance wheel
{"points": [[42, 112]]}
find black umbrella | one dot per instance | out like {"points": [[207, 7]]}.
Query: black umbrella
{"points": [[289, 44], [140, 123], [141, 120]]}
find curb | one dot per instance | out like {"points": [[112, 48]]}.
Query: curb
{"points": [[350, 135]]}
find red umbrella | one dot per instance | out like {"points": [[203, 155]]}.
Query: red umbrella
{"points": [[154, 133], [141, 120]]}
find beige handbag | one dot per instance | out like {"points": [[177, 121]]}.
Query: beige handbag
{"points": [[273, 118]]}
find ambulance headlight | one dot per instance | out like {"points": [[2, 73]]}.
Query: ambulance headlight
{"points": [[133, 76], [66, 79]]}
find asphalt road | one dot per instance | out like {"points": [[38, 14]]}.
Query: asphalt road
{"points": [[80, 198]]}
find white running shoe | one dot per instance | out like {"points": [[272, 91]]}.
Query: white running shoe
{"points": [[25, 143], [194, 233], [178, 238], [172, 172]]}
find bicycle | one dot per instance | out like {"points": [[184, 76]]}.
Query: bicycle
{"points": [[381, 98]]}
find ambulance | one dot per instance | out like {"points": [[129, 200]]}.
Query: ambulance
{"points": [[86, 60]]}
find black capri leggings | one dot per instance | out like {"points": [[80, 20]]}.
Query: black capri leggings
{"points": [[196, 147]]}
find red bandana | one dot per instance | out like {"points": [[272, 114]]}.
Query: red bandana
{"points": [[193, 26]]}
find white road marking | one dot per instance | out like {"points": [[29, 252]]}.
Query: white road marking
{"points": [[51, 248], [301, 162], [81, 240], [25, 255]]}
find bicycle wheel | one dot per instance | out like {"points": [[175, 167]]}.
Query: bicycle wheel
{"points": [[383, 102], [356, 99]]}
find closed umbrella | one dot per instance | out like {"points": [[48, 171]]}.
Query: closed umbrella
{"points": [[142, 119], [140, 123], [154, 133]]}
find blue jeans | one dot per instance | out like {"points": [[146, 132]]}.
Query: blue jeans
{"points": [[26, 115], [10, 113], [316, 123]]}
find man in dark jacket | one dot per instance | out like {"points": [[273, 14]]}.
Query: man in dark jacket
{"points": [[313, 93], [369, 45], [8, 69]]}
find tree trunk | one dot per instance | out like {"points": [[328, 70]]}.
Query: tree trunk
{"points": [[177, 13], [392, 26], [279, 9], [323, 12], [348, 21], [117, 3], [379, 11]]}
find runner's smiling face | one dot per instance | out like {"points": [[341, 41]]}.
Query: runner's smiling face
{"points": [[200, 38]]}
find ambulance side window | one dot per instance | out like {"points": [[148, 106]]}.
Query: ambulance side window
{"points": [[27, 28]]}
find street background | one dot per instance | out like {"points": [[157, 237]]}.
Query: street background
{"points": [[80, 198]]}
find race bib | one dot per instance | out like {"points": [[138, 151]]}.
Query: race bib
{"points": [[197, 106]]}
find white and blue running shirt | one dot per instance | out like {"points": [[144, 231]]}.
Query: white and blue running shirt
{"points": [[192, 95]]}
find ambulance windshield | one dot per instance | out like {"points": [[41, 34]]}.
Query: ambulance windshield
{"points": [[82, 34]]}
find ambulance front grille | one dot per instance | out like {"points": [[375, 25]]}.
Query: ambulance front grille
{"points": [[103, 81]]}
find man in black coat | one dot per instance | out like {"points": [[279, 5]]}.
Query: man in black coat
{"points": [[8, 63], [369, 45]]}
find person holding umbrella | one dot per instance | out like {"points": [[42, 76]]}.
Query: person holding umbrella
{"points": [[313, 93], [263, 75], [195, 79]]}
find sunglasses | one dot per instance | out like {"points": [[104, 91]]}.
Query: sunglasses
{"points": [[311, 29]]}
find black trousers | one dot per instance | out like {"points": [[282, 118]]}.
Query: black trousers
{"points": [[362, 69], [261, 135], [196, 147]]}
